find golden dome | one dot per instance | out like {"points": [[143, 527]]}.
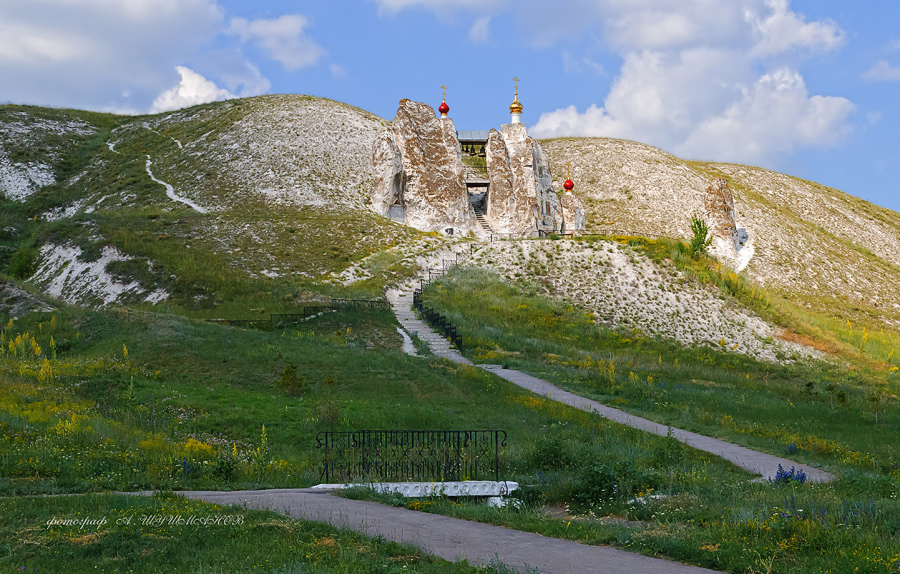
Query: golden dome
{"points": [[516, 106]]}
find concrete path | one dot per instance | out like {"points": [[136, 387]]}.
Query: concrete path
{"points": [[748, 459], [756, 462], [450, 538]]}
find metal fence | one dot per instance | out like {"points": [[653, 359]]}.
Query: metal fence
{"points": [[432, 317], [604, 232], [438, 321], [401, 456]]}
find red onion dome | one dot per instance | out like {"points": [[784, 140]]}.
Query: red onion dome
{"points": [[568, 186], [444, 108]]}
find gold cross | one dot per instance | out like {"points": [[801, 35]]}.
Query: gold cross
{"points": [[444, 92], [516, 80]]}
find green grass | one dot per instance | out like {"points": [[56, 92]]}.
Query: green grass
{"points": [[744, 529], [822, 412], [142, 535], [185, 407]]}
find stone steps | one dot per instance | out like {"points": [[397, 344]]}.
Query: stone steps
{"points": [[479, 215], [439, 346]]}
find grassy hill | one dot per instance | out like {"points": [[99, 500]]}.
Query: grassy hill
{"points": [[819, 247], [280, 185], [112, 379]]}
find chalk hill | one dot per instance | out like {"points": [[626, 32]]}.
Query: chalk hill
{"points": [[112, 209]]}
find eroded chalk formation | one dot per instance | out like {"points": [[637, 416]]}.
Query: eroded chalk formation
{"points": [[420, 179], [720, 217], [388, 188], [572, 213]]}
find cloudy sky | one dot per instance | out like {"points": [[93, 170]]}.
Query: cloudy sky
{"points": [[807, 87]]}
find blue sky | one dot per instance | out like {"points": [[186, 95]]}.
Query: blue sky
{"points": [[804, 87]]}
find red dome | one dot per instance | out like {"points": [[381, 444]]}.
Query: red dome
{"points": [[444, 108], [568, 186]]}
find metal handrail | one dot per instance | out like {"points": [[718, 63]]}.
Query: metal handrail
{"points": [[411, 455]]}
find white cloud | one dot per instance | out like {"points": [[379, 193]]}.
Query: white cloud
{"points": [[883, 72], [193, 89], [783, 30], [86, 53], [707, 78], [710, 78], [234, 72], [658, 97], [774, 117], [281, 39], [338, 72], [388, 6], [480, 30]]}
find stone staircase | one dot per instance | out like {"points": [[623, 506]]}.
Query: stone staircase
{"points": [[401, 302], [479, 215]]}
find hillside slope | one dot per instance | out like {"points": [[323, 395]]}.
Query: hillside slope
{"points": [[265, 199], [820, 246], [272, 190]]}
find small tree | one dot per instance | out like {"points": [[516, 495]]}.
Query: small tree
{"points": [[701, 239]]}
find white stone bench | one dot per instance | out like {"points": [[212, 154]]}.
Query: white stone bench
{"points": [[494, 491]]}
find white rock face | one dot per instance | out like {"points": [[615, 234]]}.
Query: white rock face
{"points": [[521, 199], [286, 150], [19, 180], [720, 210], [549, 213], [803, 238], [572, 213], [388, 188], [433, 182], [63, 274], [418, 168], [507, 208]]}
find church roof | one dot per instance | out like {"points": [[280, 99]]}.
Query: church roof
{"points": [[472, 135]]}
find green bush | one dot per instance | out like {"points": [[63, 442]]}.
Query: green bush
{"points": [[601, 482], [289, 383], [701, 239], [550, 452], [22, 265]]}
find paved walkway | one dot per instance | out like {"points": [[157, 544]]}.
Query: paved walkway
{"points": [[756, 462], [748, 459], [451, 538]]}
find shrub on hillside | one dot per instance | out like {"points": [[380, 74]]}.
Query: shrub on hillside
{"points": [[701, 238], [22, 263], [289, 383], [550, 452]]}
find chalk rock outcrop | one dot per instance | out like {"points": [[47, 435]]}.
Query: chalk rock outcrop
{"points": [[572, 213], [720, 217], [387, 191], [507, 209], [431, 186], [521, 199]]}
